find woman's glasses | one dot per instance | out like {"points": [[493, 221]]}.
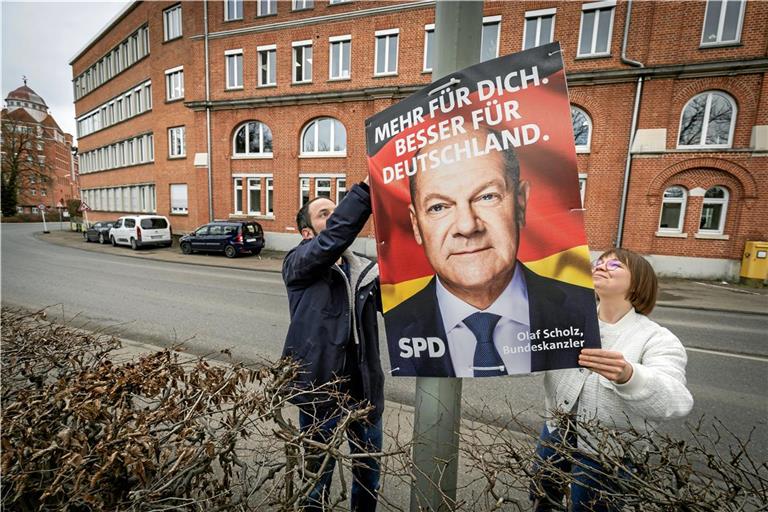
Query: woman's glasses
{"points": [[609, 265]]}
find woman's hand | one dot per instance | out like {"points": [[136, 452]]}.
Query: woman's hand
{"points": [[607, 363]]}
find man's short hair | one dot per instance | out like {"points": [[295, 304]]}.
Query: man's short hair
{"points": [[302, 217], [511, 165]]}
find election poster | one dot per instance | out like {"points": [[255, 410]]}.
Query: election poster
{"points": [[483, 256]]}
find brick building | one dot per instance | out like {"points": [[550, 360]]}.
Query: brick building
{"points": [[224, 109], [51, 179]]}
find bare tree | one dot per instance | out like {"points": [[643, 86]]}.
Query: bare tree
{"points": [[23, 161]]}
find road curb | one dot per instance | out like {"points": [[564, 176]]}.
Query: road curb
{"points": [[713, 310]]}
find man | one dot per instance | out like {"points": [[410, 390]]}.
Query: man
{"points": [[484, 313], [334, 298]]}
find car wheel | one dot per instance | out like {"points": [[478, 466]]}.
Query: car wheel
{"points": [[85, 237], [114, 243], [230, 251], [101, 238], [134, 244], [186, 248]]}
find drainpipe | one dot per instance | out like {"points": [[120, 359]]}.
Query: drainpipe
{"points": [[208, 113], [633, 126]]}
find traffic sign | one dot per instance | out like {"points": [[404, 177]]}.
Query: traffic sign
{"points": [[41, 207], [83, 207]]}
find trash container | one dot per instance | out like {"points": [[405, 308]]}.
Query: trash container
{"points": [[754, 263]]}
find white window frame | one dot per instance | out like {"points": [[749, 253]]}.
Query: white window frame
{"points": [[172, 23], [248, 154], [269, 199], [582, 187], [584, 148], [721, 24], [318, 188], [238, 187], [491, 20], [295, 64], [269, 4], [682, 201], [238, 14], [385, 34], [338, 55], [337, 2], [341, 186], [302, 5], [170, 75], [724, 212], [705, 125], [253, 183], [596, 6], [271, 52], [176, 206], [538, 15], [315, 124], [304, 184], [231, 56], [428, 29], [174, 134]]}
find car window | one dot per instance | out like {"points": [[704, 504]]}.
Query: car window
{"points": [[130, 223], [230, 230], [97, 225], [202, 231], [109, 224], [250, 229], [119, 223], [154, 223], [216, 229]]}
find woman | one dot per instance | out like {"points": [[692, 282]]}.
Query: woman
{"points": [[636, 380]]}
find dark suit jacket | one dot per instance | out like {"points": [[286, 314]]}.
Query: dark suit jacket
{"points": [[551, 304]]}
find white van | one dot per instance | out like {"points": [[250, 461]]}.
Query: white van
{"points": [[140, 230]]}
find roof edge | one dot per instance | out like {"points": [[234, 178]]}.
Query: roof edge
{"points": [[111, 23]]}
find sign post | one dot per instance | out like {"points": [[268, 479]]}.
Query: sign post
{"points": [[60, 207], [458, 29], [84, 208], [41, 207]]}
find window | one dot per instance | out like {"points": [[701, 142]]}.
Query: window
{"points": [[339, 60], [324, 136], [722, 22], [429, 47], [582, 129], [234, 68], [253, 139], [239, 195], [489, 40], [270, 196], [176, 144], [596, 28], [179, 198], [43, 192], [302, 61], [174, 83], [254, 196], [266, 7], [233, 10], [713, 211], [386, 52], [341, 189], [267, 66], [171, 23], [673, 210], [708, 120], [539, 28], [33, 192], [323, 187], [299, 5], [303, 191], [334, 2]]}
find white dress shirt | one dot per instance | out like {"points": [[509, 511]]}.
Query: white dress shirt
{"points": [[511, 331]]}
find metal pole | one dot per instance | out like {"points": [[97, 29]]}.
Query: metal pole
{"points": [[458, 30], [61, 220], [45, 226]]}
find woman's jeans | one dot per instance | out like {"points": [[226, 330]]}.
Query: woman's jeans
{"points": [[586, 476], [363, 437]]}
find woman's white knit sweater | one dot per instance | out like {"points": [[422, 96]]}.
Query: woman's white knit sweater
{"points": [[656, 391]]}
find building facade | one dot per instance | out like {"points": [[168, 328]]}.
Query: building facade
{"points": [[50, 175], [224, 109]]}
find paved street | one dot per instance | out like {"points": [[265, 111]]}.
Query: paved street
{"points": [[210, 309]]}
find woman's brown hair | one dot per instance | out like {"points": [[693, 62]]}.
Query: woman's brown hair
{"points": [[643, 285]]}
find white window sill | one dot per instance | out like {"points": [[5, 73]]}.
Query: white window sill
{"points": [[323, 155], [266, 86], [380, 75], [711, 236], [720, 44], [176, 157], [265, 156], [303, 82], [705, 147], [581, 151], [665, 234], [340, 79], [238, 88], [593, 56]]}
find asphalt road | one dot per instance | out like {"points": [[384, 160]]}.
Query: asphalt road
{"points": [[211, 309]]}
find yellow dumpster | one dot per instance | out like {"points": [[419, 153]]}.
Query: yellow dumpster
{"points": [[754, 263]]}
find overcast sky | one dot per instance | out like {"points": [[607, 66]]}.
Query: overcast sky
{"points": [[38, 41]]}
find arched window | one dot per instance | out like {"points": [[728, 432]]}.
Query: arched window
{"points": [[324, 136], [582, 129], [713, 210], [253, 139], [673, 210], [707, 121]]}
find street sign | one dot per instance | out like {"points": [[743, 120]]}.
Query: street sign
{"points": [[41, 207], [83, 207], [59, 205]]}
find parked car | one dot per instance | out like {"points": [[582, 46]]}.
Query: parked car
{"points": [[98, 232], [140, 230], [231, 237]]}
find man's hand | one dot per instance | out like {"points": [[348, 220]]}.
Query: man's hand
{"points": [[607, 363]]}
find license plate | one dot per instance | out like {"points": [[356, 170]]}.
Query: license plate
{"points": [[155, 237], [250, 240]]}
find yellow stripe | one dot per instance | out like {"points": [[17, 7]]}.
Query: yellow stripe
{"points": [[570, 266], [394, 294]]}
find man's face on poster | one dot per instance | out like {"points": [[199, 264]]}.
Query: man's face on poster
{"points": [[464, 215]]}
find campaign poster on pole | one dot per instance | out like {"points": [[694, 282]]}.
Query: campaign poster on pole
{"points": [[484, 262]]}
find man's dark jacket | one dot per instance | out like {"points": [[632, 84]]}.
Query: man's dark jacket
{"points": [[320, 300], [551, 304]]}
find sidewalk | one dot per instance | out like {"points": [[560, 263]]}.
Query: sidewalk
{"points": [[673, 293]]}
